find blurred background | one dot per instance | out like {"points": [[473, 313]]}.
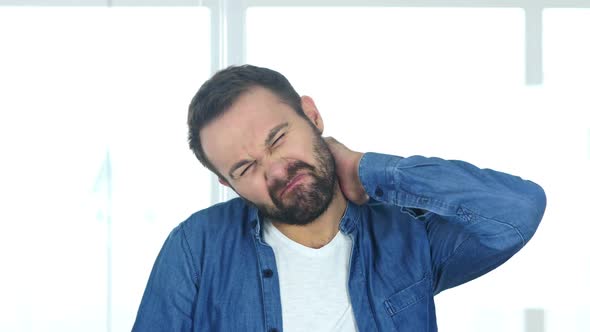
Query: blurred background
{"points": [[95, 168]]}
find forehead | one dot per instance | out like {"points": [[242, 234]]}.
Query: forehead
{"points": [[243, 127]]}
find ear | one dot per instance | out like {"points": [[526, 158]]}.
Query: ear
{"points": [[223, 182], [311, 111]]}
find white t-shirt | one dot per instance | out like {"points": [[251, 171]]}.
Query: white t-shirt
{"points": [[313, 283]]}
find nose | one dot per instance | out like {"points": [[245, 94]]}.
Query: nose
{"points": [[276, 169]]}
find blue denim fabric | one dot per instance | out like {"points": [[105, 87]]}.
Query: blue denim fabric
{"points": [[430, 224]]}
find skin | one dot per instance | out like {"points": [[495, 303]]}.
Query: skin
{"points": [[265, 161]]}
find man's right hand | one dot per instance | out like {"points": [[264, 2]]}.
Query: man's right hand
{"points": [[347, 165]]}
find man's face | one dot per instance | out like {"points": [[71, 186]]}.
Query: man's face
{"points": [[272, 157]]}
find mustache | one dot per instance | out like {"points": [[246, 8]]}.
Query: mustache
{"points": [[292, 171]]}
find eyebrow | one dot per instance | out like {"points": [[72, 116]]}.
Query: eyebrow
{"points": [[267, 142]]}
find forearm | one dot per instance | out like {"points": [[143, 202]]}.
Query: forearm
{"points": [[478, 218], [453, 188]]}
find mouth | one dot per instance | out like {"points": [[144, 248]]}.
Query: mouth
{"points": [[292, 184]]}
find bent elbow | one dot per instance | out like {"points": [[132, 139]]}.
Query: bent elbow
{"points": [[536, 211]]}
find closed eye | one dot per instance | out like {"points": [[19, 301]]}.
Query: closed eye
{"points": [[278, 139], [246, 169]]}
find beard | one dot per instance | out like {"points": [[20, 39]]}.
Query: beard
{"points": [[305, 202]]}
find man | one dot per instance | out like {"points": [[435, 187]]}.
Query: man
{"points": [[323, 238]]}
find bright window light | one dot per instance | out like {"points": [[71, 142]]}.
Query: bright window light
{"points": [[78, 85], [566, 47]]}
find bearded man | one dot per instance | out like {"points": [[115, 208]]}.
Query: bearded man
{"points": [[323, 238]]}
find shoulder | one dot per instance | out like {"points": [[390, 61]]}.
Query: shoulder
{"points": [[215, 233], [224, 218]]}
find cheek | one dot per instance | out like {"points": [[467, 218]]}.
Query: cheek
{"points": [[254, 190], [308, 154], [300, 149]]}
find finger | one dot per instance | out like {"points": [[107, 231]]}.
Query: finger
{"points": [[330, 140], [365, 199], [332, 143]]}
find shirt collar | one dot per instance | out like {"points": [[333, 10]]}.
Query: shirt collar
{"points": [[348, 222]]}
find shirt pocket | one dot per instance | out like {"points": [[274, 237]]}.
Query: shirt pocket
{"points": [[410, 308]]}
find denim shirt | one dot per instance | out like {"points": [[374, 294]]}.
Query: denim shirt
{"points": [[430, 224]]}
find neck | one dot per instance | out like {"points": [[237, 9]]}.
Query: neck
{"points": [[323, 229]]}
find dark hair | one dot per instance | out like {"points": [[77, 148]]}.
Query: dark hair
{"points": [[218, 94]]}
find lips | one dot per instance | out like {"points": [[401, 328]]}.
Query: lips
{"points": [[292, 184]]}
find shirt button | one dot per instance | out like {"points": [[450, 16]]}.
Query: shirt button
{"points": [[267, 273], [379, 192]]}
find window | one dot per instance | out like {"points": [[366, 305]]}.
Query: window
{"points": [[414, 68], [96, 169], [566, 47]]}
